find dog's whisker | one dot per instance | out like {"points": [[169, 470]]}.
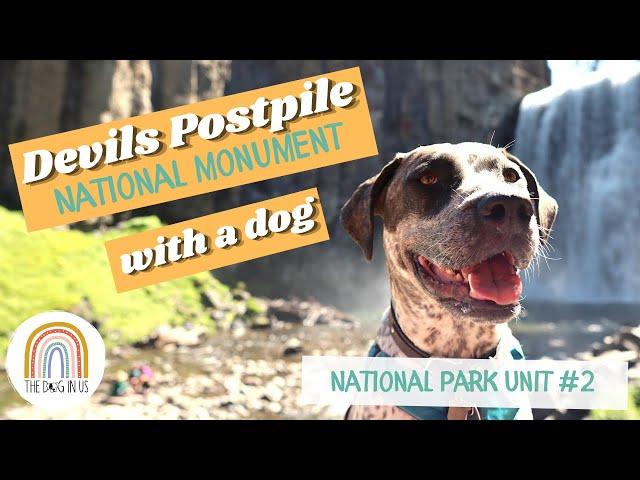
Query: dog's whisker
{"points": [[458, 193], [509, 145]]}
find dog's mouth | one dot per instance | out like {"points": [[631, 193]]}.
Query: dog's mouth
{"points": [[492, 285]]}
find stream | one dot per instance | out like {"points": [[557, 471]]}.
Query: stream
{"points": [[256, 373]]}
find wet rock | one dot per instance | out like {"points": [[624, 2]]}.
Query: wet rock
{"points": [[155, 399], [293, 346], [618, 355], [238, 329], [178, 336], [252, 380], [585, 356], [279, 381], [260, 321], [240, 292], [210, 298], [557, 343], [121, 351], [274, 408], [199, 413], [307, 313], [166, 367], [273, 392], [241, 410], [169, 412], [629, 338]]}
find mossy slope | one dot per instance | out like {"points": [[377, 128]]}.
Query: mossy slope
{"points": [[68, 270]]}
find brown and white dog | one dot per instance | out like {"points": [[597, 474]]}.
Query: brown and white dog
{"points": [[459, 223]]}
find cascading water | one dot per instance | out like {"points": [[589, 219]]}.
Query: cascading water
{"points": [[583, 143]]}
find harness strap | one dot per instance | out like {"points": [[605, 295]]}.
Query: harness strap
{"points": [[439, 413], [403, 342], [452, 413]]}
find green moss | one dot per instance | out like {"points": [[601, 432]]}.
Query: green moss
{"points": [[255, 306], [631, 413], [68, 270]]}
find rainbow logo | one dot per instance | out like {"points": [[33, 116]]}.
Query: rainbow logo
{"points": [[56, 339]]}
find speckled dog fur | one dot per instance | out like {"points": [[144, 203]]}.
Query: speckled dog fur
{"points": [[444, 228]]}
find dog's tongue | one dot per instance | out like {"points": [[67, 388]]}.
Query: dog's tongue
{"points": [[495, 279]]}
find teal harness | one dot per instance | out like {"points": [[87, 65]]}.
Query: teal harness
{"points": [[440, 413], [411, 350]]}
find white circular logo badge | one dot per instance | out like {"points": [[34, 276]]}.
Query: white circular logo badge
{"points": [[55, 360]]}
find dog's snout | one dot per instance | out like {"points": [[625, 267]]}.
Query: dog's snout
{"points": [[500, 209]]}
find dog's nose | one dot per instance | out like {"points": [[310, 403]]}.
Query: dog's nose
{"points": [[500, 209]]}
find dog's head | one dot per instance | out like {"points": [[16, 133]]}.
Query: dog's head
{"points": [[460, 221]]}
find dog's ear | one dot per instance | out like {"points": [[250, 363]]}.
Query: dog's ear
{"points": [[357, 214], [545, 206]]}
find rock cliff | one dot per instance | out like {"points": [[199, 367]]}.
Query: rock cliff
{"points": [[411, 103]]}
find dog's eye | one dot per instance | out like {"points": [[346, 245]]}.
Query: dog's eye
{"points": [[510, 175], [428, 179]]}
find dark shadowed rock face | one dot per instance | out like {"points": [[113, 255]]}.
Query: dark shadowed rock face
{"points": [[411, 103]]}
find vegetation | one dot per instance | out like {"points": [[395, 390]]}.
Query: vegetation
{"points": [[631, 413], [62, 269]]}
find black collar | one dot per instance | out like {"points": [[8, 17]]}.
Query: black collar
{"points": [[409, 348]]}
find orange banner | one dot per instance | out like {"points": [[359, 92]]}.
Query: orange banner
{"points": [[193, 149], [217, 240]]}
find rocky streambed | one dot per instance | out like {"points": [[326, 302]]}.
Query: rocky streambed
{"points": [[254, 372], [241, 373]]}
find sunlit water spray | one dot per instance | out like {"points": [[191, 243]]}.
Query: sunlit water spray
{"points": [[583, 143]]}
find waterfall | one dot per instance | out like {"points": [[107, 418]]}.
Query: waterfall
{"points": [[583, 143]]}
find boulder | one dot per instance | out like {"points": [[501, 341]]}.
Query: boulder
{"points": [[179, 336], [411, 102]]}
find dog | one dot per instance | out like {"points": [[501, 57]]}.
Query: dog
{"points": [[459, 223]]}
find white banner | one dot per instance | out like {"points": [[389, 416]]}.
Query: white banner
{"points": [[566, 384]]}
